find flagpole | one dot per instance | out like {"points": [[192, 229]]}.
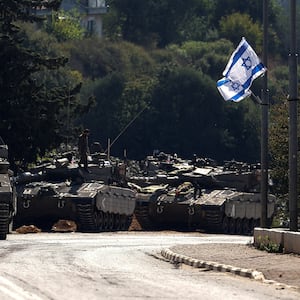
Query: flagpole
{"points": [[264, 123], [292, 100]]}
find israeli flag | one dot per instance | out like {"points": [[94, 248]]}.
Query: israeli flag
{"points": [[243, 68], [231, 90]]}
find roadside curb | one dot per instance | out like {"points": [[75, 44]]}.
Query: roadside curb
{"points": [[211, 265], [196, 263]]}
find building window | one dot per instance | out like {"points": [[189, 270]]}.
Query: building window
{"points": [[91, 26]]}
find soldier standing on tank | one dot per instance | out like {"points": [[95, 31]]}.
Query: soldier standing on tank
{"points": [[194, 160], [83, 148], [197, 189]]}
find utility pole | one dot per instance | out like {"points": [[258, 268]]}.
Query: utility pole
{"points": [[293, 140], [264, 124]]}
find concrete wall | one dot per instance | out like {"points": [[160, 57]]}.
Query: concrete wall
{"points": [[289, 240]]}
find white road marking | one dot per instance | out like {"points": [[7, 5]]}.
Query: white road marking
{"points": [[10, 289]]}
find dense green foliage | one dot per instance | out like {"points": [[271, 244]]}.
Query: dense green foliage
{"points": [[154, 74], [65, 25], [34, 100], [23, 111]]}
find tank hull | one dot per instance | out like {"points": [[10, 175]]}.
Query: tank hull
{"points": [[89, 204], [7, 199], [43, 203], [232, 212], [170, 208], [144, 204], [110, 209]]}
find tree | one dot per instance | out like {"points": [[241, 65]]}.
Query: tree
{"points": [[30, 121], [65, 25], [279, 146], [208, 57], [185, 114], [254, 9], [158, 22], [235, 26]]}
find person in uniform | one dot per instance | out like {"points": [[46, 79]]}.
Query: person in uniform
{"points": [[83, 148], [197, 189]]}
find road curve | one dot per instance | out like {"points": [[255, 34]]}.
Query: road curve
{"points": [[118, 265]]}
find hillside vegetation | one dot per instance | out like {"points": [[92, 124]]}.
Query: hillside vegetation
{"points": [[157, 64]]}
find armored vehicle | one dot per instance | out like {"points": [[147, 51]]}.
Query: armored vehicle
{"points": [[231, 211], [94, 206], [230, 198], [215, 198], [65, 191], [7, 200], [165, 206], [172, 208], [161, 175], [162, 169], [144, 197], [110, 209]]}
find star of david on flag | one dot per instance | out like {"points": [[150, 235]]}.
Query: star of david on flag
{"points": [[243, 68]]}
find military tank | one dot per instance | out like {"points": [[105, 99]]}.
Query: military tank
{"points": [[213, 198], [144, 196], [231, 211], [230, 199], [64, 191], [156, 175], [94, 206], [110, 209], [7, 199], [172, 208]]}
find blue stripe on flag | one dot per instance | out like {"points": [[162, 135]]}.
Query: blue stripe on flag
{"points": [[237, 56], [238, 96], [222, 81], [228, 85], [257, 68]]}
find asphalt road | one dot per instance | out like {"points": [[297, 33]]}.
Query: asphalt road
{"points": [[119, 265]]}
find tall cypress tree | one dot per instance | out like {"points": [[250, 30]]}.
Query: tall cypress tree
{"points": [[29, 117]]}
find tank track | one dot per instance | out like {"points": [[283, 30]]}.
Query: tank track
{"points": [[93, 220], [4, 220], [240, 226], [141, 213], [214, 220]]}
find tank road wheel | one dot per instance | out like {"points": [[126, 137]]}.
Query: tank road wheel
{"points": [[111, 221], [4, 218], [232, 226], [100, 220], [96, 220], [251, 225], [117, 222], [3, 235], [239, 226], [123, 222], [105, 221], [225, 225], [257, 223], [128, 221], [246, 226]]}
